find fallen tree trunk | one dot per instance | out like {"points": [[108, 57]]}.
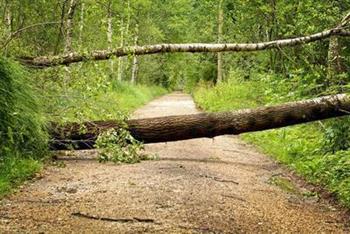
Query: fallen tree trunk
{"points": [[174, 128], [49, 61]]}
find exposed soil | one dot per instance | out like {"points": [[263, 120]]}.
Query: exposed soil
{"points": [[219, 185]]}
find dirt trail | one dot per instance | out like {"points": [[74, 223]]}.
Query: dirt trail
{"points": [[196, 186]]}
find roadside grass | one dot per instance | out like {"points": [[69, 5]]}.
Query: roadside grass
{"points": [[300, 147], [30, 100], [23, 139], [15, 171]]}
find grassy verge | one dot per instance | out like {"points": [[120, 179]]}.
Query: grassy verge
{"points": [[23, 139], [300, 147], [15, 171], [29, 101]]}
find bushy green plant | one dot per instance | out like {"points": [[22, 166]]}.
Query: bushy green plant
{"points": [[336, 135], [119, 146]]}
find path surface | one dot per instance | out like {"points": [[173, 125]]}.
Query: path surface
{"points": [[196, 186]]}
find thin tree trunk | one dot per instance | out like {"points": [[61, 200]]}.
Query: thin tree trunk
{"points": [[8, 23], [219, 77], [8, 17], [81, 28], [69, 27], [334, 61], [123, 40], [110, 32], [174, 128], [68, 48], [48, 61], [120, 59], [61, 28], [135, 62]]}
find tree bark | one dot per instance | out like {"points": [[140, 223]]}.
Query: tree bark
{"points": [[69, 27], [120, 59], [81, 27], [174, 128], [8, 17], [49, 61], [135, 63], [61, 28], [110, 32], [335, 63], [220, 30]]}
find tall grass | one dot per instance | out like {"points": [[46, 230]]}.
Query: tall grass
{"points": [[22, 132]]}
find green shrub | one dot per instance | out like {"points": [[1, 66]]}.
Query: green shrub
{"points": [[336, 135]]}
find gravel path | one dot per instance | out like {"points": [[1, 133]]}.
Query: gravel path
{"points": [[219, 185]]}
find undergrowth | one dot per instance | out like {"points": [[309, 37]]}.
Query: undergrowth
{"points": [[22, 127], [30, 100], [318, 151]]}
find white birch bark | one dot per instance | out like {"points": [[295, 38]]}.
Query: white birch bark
{"points": [[81, 27], [110, 32], [135, 60], [219, 77], [120, 59], [47, 61]]}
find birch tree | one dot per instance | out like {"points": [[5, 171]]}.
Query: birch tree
{"points": [[135, 59], [69, 26], [220, 35], [110, 31]]}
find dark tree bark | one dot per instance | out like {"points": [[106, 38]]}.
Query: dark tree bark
{"points": [[174, 128]]}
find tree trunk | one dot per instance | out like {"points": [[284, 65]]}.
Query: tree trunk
{"points": [[335, 63], [120, 59], [61, 28], [135, 63], [110, 32], [174, 128], [81, 28], [68, 40], [69, 27], [48, 61], [219, 77], [124, 40], [8, 23], [8, 17]]}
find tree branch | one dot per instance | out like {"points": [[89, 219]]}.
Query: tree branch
{"points": [[16, 33]]}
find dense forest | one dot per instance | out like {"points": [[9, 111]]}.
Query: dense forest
{"points": [[32, 97]]}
